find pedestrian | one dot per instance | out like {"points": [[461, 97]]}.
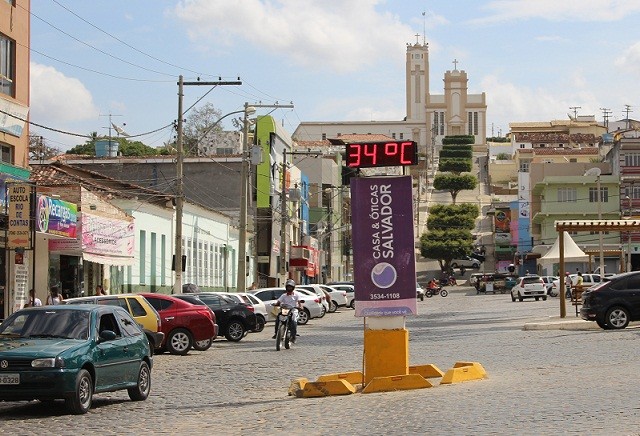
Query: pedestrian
{"points": [[55, 297], [483, 250], [567, 285], [579, 282], [253, 286], [33, 301], [100, 290]]}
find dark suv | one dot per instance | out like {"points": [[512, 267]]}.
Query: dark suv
{"points": [[613, 303]]}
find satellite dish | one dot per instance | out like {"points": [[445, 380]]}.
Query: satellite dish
{"points": [[595, 171]]}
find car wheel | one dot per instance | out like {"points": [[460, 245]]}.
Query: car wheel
{"points": [[235, 331], [544, 298], [333, 306], [324, 311], [513, 298], [179, 342], [203, 345], [353, 303], [421, 297], [520, 297], [303, 316], [141, 390], [79, 402], [617, 317], [454, 265], [537, 298], [260, 322]]}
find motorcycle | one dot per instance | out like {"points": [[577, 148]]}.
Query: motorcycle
{"points": [[448, 281], [284, 335], [435, 291]]}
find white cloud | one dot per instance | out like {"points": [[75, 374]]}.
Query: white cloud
{"points": [[336, 35], [56, 98], [565, 10], [507, 102], [630, 59]]}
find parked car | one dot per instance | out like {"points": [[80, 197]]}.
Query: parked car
{"points": [[184, 325], [234, 319], [259, 308], [325, 299], [350, 291], [137, 306], [310, 293], [312, 307], [71, 352], [530, 286], [613, 303], [419, 292], [588, 280], [548, 284], [466, 262], [338, 297]]}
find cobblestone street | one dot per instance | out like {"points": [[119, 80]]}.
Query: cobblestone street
{"points": [[540, 382]]}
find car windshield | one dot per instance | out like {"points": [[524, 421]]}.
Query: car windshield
{"points": [[61, 324]]}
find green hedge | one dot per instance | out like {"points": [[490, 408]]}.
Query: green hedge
{"points": [[458, 139], [456, 153]]}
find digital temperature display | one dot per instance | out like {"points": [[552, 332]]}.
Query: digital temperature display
{"points": [[382, 154]]}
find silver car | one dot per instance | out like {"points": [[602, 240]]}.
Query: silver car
{"points": [[312, 308]]}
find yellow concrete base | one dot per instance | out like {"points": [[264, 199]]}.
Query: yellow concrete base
{"points": [[426, 371], [464, 371], [353, 377], [324, 389], [396, 383], [386, 353], [297, 386]]}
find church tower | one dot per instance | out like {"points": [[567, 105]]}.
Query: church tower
{"points": [[417, 81]]}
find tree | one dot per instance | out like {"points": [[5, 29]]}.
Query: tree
{"points": [[455, 165], [455, 209], [88, 148], [465, 154], [454, 183], [450, 222], [39, 150], [446, 245], [458, 139], [198, 124], [135, 148]]}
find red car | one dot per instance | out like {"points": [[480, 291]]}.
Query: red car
{"points": [[184, 325]]}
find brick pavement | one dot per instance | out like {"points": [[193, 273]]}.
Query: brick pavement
{"points": [[540, 382]]}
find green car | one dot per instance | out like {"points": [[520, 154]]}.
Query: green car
{"points": [[71, 352]]}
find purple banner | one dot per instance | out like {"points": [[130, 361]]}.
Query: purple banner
{"points": [[383, 246]]}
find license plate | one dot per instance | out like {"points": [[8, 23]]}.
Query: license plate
{"points": [[9, 379]]}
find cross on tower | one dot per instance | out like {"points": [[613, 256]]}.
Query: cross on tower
{"points": [[455, 64], [417, 38]]}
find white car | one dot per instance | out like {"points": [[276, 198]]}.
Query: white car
{"points": [[467, 262], [350, 291], [312, 306], [548, 283], [315, 289], [530, 286], [312, 294], [259, 308], [338, 297], [588, 280]]}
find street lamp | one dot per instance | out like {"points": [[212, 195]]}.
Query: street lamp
{"points": [[241, 281]]}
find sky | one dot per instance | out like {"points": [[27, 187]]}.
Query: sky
{"points": [[335, 60]]}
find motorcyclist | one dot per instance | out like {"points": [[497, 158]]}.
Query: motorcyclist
{"points": [[291, 299], [432, 285]]}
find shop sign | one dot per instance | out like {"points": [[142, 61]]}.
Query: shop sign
{"points": [[19, 215], [56, 217]]}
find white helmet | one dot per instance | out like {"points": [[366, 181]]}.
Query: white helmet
{"points": [[290, 282]]}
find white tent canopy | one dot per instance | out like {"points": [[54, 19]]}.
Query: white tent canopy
{"points": [[572, 253]]}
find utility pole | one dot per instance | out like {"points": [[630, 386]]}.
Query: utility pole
{"points": [[109, 127], [177, 286], [575, 111], [627, 109], [606, 114]]}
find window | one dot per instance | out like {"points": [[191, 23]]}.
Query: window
{"points": [[632, 191], [393, 135], [472, 123], [632, 160], [324, 136], [524, 166], [7, 62], [136, 307], [159, 304], [604, 195], [7, 155], [108, 322], [129, 326], [402, 136], [566, 195]]}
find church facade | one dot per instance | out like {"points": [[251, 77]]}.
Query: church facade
{"points": [[429, 118]]}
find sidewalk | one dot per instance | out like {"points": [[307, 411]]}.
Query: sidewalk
{"points": [[570, 322]]}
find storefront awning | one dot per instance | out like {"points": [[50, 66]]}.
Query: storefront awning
{"points": [[108, 260]]}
